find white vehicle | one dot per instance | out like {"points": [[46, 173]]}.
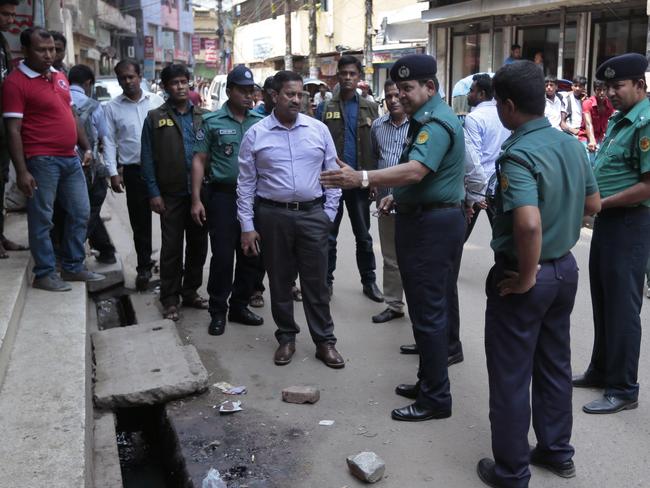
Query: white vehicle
{"points": [[107, 87], [217, 93]]}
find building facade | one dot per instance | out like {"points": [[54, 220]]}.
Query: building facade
{"points": [[211, 47], [165, 29], [573, 36]]}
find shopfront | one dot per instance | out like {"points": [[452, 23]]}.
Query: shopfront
{"points": [[567, 40]]}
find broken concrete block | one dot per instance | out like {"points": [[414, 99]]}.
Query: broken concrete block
{"points": [[366, 466], [144, 364], [301, 394], [113, 274]]}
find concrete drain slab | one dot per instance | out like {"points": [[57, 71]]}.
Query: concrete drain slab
{"points": [[144, 364]]}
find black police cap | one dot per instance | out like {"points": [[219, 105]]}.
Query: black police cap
{"points": [[627, 66], [414, 67], [240, 75]]}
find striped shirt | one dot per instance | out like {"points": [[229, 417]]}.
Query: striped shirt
{"points": [[387, 145]]}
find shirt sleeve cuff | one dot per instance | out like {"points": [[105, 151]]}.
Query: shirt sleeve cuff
{"points": [[331, 214], [247, 226]]}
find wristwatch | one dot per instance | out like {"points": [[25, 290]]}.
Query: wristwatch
{"points": [[364, 179]]}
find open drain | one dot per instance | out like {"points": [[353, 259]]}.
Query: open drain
{"points": [[145, 448], [114, 309]]}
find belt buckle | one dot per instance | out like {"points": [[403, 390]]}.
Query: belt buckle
{"points": [[293, 206]]}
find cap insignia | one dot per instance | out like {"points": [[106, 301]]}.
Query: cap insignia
{"points": [[403, 72], [609, 73]]}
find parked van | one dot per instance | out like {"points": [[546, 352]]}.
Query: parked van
{"points": [[217, 92]]}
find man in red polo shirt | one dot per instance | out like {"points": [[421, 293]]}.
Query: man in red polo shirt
{"points": [[596, 111], [42, 133]]}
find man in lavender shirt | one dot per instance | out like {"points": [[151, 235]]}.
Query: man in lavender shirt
{"points": [[285, 213]]}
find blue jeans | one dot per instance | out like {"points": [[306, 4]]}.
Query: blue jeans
{"points": [[62, 178]]}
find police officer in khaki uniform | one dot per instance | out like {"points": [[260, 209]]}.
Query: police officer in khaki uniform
{"points": [[216, 155], [621, 239], [546, 185], [166, 161], [428, 191]]}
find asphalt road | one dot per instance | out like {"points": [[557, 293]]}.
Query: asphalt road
{"points": [[611, 451]]}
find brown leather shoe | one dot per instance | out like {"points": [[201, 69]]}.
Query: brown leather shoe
{"points": [[327, 353], [284, 353]]}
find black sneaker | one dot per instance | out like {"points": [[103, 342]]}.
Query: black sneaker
{"points": [[106, 258]]}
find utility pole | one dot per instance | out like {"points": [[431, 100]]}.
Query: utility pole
{"points": [[367, 44], [220, 50], [288, 57], [313, 36]]}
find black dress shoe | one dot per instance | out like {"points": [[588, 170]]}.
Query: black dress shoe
{"points": [[245, 316], [587, 381], [408, 391], [565, 469], [485, 471], [610, 404], [142, 279], [416, 413], [386, 315], [455, 358], [217, 325], [371, 291], [106, 258], [409, 349]]}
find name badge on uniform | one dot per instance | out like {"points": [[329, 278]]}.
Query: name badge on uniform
{"points": [[228, 150], [227, 132], [332, 115]]}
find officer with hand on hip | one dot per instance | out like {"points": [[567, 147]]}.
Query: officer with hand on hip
{"points": [[545, 187]]}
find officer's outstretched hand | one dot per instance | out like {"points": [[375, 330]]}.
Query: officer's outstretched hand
{"points": [[198, 213], [345, 177], [250, 243], [514, 284]]}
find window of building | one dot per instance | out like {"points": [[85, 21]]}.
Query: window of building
{"points": [[614, 37], [470, 51]]}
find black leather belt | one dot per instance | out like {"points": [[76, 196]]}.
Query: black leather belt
{"points": [[318, 202], [622, 211], [511, 264], [408, 209], [222, 187]]}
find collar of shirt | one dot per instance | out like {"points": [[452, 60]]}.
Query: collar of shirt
{"points": [[387, 119], [77, 89], [634, 112], [29, 72], [190, 108], [123, 98], [487, 103], [427, 108], [528, 127], [276, 124]]}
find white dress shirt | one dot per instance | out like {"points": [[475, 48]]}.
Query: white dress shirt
{"points": [[484, 135], [553, 110], [124, 121]]}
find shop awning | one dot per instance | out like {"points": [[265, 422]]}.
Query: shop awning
{"points": [[473, 9]]}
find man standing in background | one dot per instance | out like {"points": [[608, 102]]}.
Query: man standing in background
{"points": [[7, 19], [125, 116], [388, 135]]}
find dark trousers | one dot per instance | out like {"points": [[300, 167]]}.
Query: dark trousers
{"points": [[358, 205], [296, 241], [137, 202], [528, 336], [225, 242], [4, 179], [453, 308], [477, 210], [428, 245], [617, 262], [97, 233], [176, 227]]}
